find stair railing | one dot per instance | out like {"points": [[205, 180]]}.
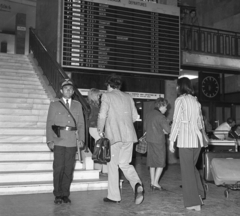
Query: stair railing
{"points": [[55, 75]]}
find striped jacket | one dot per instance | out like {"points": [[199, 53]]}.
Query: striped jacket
{"points": [[187, 122]]}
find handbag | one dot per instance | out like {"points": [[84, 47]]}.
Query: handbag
{"points": [[141, 147], [102, 151]]}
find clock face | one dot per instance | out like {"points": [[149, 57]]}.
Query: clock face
{"points": [[210, 86]]}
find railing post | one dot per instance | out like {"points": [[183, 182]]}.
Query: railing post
{"points": [[236, 46]]}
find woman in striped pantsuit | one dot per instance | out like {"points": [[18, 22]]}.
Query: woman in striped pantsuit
{"points": [[187, 123]]}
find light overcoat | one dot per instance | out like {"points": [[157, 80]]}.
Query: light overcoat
{"points": [[117, 115]]}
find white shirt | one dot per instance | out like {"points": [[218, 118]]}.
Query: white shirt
{"points": [[221, 132], [69, 101]]}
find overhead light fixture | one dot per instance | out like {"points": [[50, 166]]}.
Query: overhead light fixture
{"points": [[188, 76]]}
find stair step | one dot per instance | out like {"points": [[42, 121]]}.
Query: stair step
{"points": [[23, 95], [17, 60], [24, 106], [14, 64], [31, 166], [17, 74], [23, 112], [22, 124], [20, 131], [19, 86], [23, 90], [22, 82], [29, 78], [20, 71], [25, 100], [36, 176], [27, 118], [26, 156], [21, 138], [13, 56], [31, 146], [47, 187]]}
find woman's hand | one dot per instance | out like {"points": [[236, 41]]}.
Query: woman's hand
{"points": [[171, 147]]}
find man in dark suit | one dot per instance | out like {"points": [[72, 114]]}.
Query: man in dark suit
{"points": [[64, 145]]}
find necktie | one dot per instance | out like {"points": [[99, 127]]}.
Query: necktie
{"points": [[67, 104]]}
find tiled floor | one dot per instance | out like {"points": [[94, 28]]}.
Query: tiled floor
{"points": [[168, 203]]}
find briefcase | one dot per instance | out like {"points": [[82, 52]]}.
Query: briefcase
{"points": [[102, 151]]}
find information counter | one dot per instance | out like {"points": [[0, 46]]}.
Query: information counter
{"points": [[223, 145]]}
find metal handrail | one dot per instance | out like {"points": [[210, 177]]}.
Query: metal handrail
{"points": [[55, 75], [210, 41]]}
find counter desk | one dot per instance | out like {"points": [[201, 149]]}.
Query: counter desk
{"points": [[223, 145]]}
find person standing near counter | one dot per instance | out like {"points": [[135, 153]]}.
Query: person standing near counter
{"points": [[187, 122], [221, 132], [156, 126]]}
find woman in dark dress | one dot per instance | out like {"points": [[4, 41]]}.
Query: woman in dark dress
{"points": [[156, 126]]}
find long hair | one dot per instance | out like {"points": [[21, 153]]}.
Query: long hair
{"points": [[93, 96], [184, 86]]}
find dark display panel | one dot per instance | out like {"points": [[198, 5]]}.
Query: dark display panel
{"points": [[118, 38]]}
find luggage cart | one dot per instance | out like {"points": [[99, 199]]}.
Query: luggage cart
{"points": [[226, 173], [209, 155]]}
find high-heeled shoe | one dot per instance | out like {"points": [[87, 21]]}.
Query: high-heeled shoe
{"points": [[195, 208], [153, 187]]}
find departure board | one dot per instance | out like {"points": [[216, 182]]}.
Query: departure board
{"points": [[120, 36]]}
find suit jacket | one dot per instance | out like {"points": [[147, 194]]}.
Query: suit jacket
{"points": [[154, 125], [117, 115], [187, 122], [58, 115]]}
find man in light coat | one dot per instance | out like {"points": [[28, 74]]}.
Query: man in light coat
{"points": [[117, 115]]}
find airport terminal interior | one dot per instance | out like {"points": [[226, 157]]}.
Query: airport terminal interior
{"points": [[150, 44]]}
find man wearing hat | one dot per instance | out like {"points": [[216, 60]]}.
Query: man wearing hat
{"points": [[64, 143]]}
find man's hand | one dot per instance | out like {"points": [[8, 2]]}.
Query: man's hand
{"points": [[101, 134], [80, 144], [50, 145], [171, 147]]}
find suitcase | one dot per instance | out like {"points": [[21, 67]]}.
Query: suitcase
{"points": [[225, 171], [208, 156]]}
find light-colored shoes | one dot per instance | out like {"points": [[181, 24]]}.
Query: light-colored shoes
{"points": [[195, 208]]}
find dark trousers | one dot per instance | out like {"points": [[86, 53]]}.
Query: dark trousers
{"points": [[63, 167], [191, 180]]}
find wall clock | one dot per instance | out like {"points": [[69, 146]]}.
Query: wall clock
{"points": [[209, 85]]}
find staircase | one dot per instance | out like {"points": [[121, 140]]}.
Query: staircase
{"points": [[25, 160]]}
